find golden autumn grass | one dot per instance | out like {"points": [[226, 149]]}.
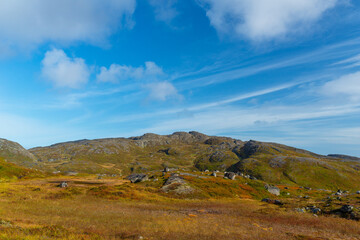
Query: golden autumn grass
{"points": [[114, 209]]}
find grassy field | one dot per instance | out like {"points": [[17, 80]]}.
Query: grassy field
{"points": [[112, 208]]}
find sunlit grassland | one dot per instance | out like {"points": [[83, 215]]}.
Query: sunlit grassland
{"points": [[115, 209]]}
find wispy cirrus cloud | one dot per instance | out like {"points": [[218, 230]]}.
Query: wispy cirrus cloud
{"points": [[337, 54], [347, 86], [210, 105], [231, 119], [350, 62]]}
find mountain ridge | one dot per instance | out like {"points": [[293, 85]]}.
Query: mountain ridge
{"points": [[271, 162]]}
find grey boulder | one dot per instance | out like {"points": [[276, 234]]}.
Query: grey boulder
{"points": [[135, 178], [178, 185], [272, 189], [346, 209], [63, 185], [230, 175]]}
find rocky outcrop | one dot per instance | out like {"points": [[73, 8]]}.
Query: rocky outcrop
{"points": [[151, 139], [218, 157], [178, 185], [272, 189], [272, 201], [230, 175], [135, 178], [346, 209], [250, 148]]}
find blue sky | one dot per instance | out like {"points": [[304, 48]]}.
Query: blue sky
{"points": [[286, 71]]}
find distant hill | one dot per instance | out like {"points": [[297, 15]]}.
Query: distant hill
{"points": [[271, 162], [278, 163], [15, 153], [345, 157]]}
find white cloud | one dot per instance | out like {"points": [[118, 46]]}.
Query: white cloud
{"points": [[347, 86], [26, 24], [149, 76], [116, 73], [162, 91], [261, 20], [151, 69], [164, 9], [63, 71]]}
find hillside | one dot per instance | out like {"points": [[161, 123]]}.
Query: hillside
{"points": [[15, 153], [179, 186], [12, 172], [270, 162], [278, 163]]}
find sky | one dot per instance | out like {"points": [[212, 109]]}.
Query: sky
{"points": [[285, 71]]}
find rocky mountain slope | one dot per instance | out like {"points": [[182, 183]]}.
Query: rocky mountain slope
{"points": [[190, 174], [16, 161], [271, 162], [14, 152]]}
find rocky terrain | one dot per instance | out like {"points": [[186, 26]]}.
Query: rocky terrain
{"points": [[271, 162], [272, 181], [14, 152]]}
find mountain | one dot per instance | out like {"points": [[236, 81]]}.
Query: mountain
{"points": [[271, 162], [345, 157], [123, 155], [15, 153], [15, 162]]}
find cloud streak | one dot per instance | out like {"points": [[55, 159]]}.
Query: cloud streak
{"points": [[235, 119], [217, 74], [201, 107], [345, 86]]}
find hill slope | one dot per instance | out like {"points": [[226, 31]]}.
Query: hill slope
{"points": [[123, 155], [278, 163], [14, 152], [271, 162]]}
